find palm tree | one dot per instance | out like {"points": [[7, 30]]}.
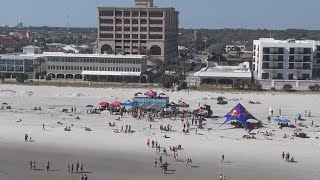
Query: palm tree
{"points": [[2, 76], [40, 61], [35, 69]]}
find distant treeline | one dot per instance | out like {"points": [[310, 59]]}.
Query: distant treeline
{"points": [[216, 39]]}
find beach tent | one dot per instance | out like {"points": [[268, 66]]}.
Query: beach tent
{"points": [[104, 104], [150, 93], [116, 104], [128, 103], [239, 113]]}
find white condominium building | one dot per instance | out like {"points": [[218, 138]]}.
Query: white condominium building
{"points": [[286, 59]]}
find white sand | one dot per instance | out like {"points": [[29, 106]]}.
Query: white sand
{"points": [[123, 156]]}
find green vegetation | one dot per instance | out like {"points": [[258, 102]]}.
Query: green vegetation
{"points": [[21, 78]]}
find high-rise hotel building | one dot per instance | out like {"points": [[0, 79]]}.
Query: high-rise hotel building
{"points": [[144, 29]]}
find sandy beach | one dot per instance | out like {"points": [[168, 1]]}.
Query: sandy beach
{"points": [[109, 155]]}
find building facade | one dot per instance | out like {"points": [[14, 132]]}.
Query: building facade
{"points": [[93, 67], [284, 59], [141, 30], [11, 65]]}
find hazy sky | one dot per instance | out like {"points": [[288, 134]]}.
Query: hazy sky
{"points": [[253, 14]]}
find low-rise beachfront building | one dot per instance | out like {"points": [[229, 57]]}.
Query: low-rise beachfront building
{"points": [[283, 59], [215, 74], [11, 65], [78, 67], [95, 67]]}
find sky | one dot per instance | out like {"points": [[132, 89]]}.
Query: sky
{"points": [[195, 14]]}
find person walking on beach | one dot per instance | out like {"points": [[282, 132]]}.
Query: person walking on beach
{"points": [[221, 177], [148, 142], [77, 167], [43, 127], [30, 164], [279, 111], [82, 177], [150, 126], [81, 167], [34, 165], [155, 163], [283, 155], [72, 109], [222, 159], [25, 137], [160, 160], [68, 168], [75, 110], [48, 166], [72, 167], [85, 177]]}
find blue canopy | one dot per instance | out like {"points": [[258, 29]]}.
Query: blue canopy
{"points": [[239, 113], [278, 120], [128, 103]]}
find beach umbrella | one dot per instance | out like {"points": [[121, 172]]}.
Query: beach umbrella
{"points": [[298, 115], [150, 93], [104, 104], [162, 94], [286, 121], [278, 120], [89, 106], [4, 104], [128, 103], [116, 104]]}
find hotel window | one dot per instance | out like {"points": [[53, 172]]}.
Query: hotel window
{"points": [[143, 36], [155, 29], [135, 29], [134, 69], [126, 13], [155, 36], [106, 21], [143, 13], [118, 28], [135, 21], [126, 28], [135, 13], [118, 21], [155, 21], [135, 36], [127, 21], [119, 36], [113, 68], [106, 13], [109, 69], [143, 29], [118, 13], [155, 14], [126, 36], [104, 35]]}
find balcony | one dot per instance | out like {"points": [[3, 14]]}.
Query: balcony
{"points": [[273, 68]]}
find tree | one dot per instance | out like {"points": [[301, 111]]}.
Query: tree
{"points": [[2, 76], [167, 80], [40, 61], [3, 50], [21, 78], [287, 87]]}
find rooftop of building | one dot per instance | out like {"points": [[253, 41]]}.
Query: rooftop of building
{"points": [[61, 54], [272, 40], [241, 71]]}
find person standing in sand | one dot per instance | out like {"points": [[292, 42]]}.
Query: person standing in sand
{"points": [[72, 167], [155, 163], [68, 168], [48, 166], [77, 167], [34, 165], [43, 127], [222, 159], [82, 177], [30, 164]]}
